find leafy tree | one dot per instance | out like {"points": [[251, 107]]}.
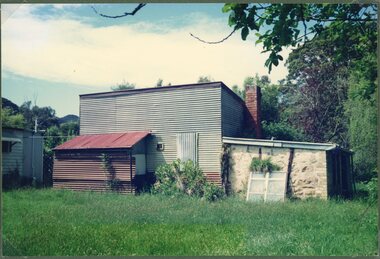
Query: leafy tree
{"points": [[283, 25], [53, 138], [331, 90], [316, 92], [257, 80], [45, 116], [363, 136], [238, 91], [11, 120], [26, 111], [275, 122], [361, 110], [123, 86], [282, 130], [56, 135], [270, 96], [69, 129], [159, 82], [250, 81], [205, 79], [5, 103]]}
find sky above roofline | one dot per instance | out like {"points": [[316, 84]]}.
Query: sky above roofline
{"points": [[53, 53]]}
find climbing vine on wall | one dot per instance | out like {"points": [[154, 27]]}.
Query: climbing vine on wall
{"points": [[226, 167], [111, 181]]}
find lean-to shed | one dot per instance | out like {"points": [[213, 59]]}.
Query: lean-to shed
{"points": [[100, 161]]}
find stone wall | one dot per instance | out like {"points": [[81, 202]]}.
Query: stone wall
{"points": [[308, 172]]}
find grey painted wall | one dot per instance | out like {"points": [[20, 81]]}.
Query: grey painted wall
{"points": [[14, 159], [26, 156]]}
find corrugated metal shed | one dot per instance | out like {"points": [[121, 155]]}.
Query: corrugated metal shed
{"points": [[25, 155], [85, 171], [102, 141], [165, 112]]}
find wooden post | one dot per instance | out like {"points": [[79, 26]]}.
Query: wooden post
{"points": [[266, 186], [288, 179], [249, 185], [130, 167]]}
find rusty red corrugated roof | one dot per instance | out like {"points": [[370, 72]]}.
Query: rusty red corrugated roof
{"points": [[102, 141]]}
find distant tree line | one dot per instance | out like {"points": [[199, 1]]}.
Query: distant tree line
{"points": [[55, 130]]}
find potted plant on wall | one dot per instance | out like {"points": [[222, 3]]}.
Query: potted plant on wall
{"points": [[263, 165]]}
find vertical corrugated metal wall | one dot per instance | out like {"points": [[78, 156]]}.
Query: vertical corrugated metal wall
{"points": [[33, 157], [187, 146], [85, 171]]}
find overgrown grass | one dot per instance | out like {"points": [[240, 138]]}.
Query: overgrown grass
{"points": [[57, 222]]}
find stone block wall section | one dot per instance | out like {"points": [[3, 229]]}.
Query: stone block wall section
{"points": [[308, 176]]}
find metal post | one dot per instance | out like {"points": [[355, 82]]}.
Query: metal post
{"points": [[35, 125], [32, 156]]}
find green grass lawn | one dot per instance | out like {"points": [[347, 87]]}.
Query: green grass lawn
{"points": [[57, 222]]}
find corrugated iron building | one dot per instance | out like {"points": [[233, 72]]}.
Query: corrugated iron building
{"points": [[99, 162], [210, 110], [184, 121], [22, 153]]}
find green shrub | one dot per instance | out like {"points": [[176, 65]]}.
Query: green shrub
{"points": [[184, 178], [372, 189], [213, 192], [263, 165], [165, 180]]}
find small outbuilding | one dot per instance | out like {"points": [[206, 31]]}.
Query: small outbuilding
{"points": [[22, 155], [313, 169], [100, 162]]}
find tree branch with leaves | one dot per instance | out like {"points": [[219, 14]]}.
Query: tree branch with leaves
{"points": [[280, 25]]}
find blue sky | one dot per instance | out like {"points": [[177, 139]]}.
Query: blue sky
{"points": [[53, 53]]}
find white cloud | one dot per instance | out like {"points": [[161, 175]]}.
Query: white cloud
{"points": [[67, 50], [62, 6]]}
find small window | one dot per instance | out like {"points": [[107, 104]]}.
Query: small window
{"points": [[6, 147], [160, 146]]}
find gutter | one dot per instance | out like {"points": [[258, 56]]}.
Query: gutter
{"points": [[280, 143]]}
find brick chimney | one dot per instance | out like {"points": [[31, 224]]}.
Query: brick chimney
{"points": [[253, 103]]}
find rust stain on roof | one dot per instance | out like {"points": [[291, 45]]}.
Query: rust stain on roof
{"points": [[103, 141]]}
